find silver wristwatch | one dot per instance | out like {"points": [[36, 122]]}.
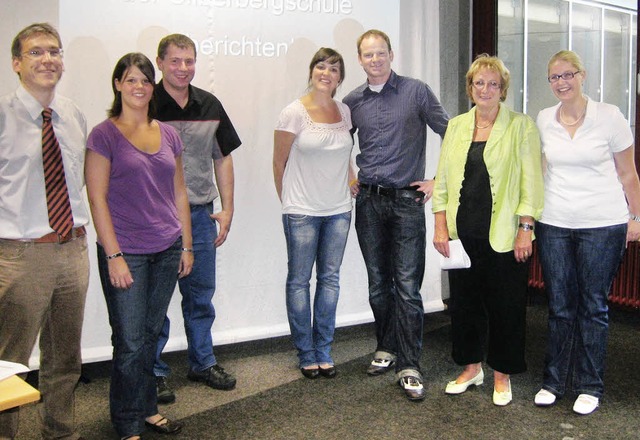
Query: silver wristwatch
{"points": [[526, 226]]}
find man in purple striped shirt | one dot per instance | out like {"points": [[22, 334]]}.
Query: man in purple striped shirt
{"points": [[390, 114]]}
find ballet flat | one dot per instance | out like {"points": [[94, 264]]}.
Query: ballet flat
{"points": [[459, 388], [502, 398]]}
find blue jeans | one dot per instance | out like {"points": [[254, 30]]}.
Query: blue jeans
{"points": [[319, 240], [136, 317], [197, 291], [578, 266], [392, 236]]}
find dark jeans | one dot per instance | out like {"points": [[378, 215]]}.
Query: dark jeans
{"points": [[488, 308], [392, 236], [136, 316], [578, 266], [197, 291]]}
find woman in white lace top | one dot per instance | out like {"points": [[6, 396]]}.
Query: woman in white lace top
{"points": [[311, 168]]}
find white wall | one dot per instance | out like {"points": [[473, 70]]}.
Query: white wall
{"points": [[254, 87]]}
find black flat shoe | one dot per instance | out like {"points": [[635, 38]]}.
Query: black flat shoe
{"points": [[168, 427], [310, 373], [328, 372]]}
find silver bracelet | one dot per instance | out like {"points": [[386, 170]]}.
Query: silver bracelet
{"points": [[634, 217], [187, 249], [116, 255]]}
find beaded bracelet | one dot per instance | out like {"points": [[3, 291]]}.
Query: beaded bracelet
{"points": [[116, 255]]}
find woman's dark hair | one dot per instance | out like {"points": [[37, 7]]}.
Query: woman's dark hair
{"points": [[124, 64], [328, 55]]}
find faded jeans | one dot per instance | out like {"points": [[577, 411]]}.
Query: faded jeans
{"points": [[319, 240]]}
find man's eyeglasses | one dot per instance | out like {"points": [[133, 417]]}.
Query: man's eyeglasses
{"points": [[37, 54], [494, 85], [565, 76]]}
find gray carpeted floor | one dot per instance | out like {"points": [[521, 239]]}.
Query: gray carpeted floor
{"points": [[273, 401]]}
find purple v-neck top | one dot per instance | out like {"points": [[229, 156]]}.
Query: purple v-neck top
{"points": [[141, 193]]}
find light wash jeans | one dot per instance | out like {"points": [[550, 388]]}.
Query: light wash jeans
{"points": [[319, 240]]}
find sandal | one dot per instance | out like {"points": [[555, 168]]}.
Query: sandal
{"points": [[165, 426]]}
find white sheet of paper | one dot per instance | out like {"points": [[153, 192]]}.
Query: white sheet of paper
{"points": [[8, 369], [458, 257]]}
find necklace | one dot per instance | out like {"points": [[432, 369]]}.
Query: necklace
{"points": [[584, 111], [484, 126]]}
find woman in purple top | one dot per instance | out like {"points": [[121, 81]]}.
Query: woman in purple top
{"points": [[141, 214]]}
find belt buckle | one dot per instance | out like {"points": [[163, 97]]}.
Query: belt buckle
{"points": [[72, 235], [62, 239], [384, 191]]}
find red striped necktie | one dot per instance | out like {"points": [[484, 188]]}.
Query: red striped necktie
{"points": [[58, 204]]}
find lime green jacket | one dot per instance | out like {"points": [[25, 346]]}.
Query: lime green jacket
{"points": [[513, 159]]}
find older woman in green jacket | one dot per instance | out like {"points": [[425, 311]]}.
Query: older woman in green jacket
{"points": [[488, 193]]}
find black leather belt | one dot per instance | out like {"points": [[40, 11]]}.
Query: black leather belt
{"points": [[408, 191], [201, 205]]}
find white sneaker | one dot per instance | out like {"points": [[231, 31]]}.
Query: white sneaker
{"points": [[544, 398], [586, 404]]}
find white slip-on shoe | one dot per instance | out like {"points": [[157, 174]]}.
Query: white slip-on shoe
{"points": [[586, 404], [544, 398], [459, 388], [502, 398]]}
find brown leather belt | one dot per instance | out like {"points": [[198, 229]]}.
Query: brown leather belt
{"points": [[54, 237]]}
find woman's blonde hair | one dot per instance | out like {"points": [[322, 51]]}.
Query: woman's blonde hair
{"points": [[495, 64], [570, 57]]}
